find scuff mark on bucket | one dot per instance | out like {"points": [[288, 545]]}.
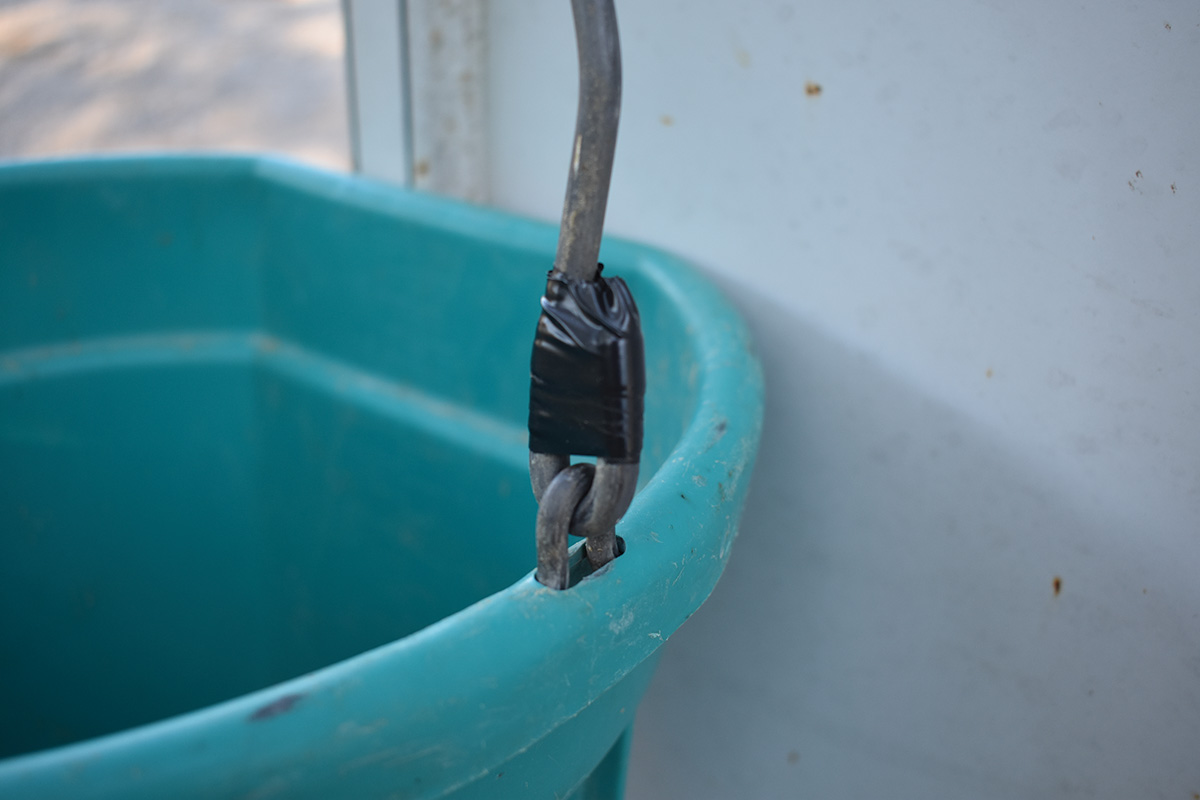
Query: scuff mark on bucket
{"points": [[276, 707]]}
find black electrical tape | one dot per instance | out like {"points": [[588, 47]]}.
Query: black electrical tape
{"points": [[588, 373]]}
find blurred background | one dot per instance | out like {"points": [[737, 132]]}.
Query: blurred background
{"points": [[84, 76]]}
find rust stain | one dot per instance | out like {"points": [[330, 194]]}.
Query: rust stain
{"points": [[667, 120], [276, 707], [1057, 585], [812, 89], [422, 168], [989, 373]]}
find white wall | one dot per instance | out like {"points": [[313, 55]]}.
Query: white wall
{"points": [[973, 265]]}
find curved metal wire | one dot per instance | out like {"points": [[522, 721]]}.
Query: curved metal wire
{"points": [[595, 138], [582, 499]]}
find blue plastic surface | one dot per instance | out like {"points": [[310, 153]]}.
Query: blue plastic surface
{"points": [[265, 521]]}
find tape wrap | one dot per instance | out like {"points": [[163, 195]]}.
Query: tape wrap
{"points": [[588, 372]]}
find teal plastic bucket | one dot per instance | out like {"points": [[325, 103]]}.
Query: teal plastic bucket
{"points": [[265, 521]]}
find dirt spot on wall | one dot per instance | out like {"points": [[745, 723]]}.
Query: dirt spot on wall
{"points": [[1057, 586], [813, 89]]}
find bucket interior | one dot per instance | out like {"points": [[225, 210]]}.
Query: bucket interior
{"points": [[250, 427]]}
